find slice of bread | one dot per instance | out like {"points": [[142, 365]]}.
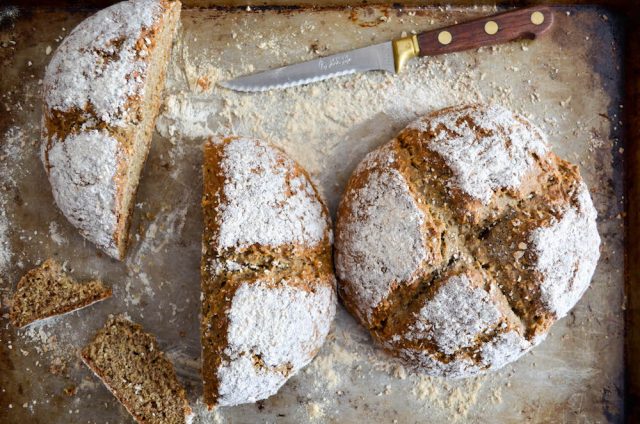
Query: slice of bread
{"points": [[47, 291], [130, 364], [102, 93]]}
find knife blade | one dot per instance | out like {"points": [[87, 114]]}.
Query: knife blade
{"points": [[371, 58], [392, 56]]}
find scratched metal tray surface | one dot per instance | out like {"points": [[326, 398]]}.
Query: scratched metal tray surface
{"points": [[568, 83]]}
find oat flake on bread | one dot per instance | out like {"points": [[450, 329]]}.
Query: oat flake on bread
{"points": [[460, 242]]}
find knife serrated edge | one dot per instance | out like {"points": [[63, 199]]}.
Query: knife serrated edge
{"points": [[238, 87], [374, 57]]}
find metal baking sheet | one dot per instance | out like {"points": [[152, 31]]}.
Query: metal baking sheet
{"points": [[569, 83]]}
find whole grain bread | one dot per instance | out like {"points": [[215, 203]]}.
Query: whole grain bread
{"points": [[130, 364], [460, 242], [268, 288], [102, 92], [46, 291]]}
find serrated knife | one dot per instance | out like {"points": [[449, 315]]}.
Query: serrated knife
{"points": [[393, 55]]}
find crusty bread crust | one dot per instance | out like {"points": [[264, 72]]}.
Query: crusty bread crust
{"points": [[266, 263], [474, 216]]}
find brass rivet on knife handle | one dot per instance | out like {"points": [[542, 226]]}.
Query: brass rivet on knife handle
{"points": [[537, 18], [491, 27], [490, 30], [445, 37], [404, 49]]}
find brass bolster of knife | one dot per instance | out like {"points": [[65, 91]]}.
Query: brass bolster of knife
{"points": [[404, 49]]}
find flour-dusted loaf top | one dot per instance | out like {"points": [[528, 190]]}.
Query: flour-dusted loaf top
{"points": [[101, 95], [567, 253], [99, 69], [274, 331], [467, 326], [390, 229], [460, 242], [266, 201], [487, 149], [83, 172], [267, 281]]}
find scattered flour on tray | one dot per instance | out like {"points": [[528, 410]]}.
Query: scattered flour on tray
{"points": [[14, 141], [11, 151], [164, 229], [54, 234], [319, 125], [315, 410], [54, 341], [202, 415], [5, 246], [348, 356], [456, 397]]}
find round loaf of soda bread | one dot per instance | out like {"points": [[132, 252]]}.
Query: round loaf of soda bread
{"points": [[460, 242]]}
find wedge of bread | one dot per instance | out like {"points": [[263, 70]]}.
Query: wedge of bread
{"points": [[102, 93], [47, 291], [130, 364]]}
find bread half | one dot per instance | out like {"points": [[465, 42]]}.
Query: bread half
{"points": [[267, 281], [102, 93]]}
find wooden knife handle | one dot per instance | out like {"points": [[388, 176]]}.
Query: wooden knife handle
{"points": [[508, 26]]}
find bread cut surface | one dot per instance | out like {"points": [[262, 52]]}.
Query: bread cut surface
{"points": [[47, 291], [267, 280], [460, 242], [130, 364], [102, 92]]}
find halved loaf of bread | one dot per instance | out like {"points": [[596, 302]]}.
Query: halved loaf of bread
{"points": [[267, 279], [102, 93], [47, 291]]}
